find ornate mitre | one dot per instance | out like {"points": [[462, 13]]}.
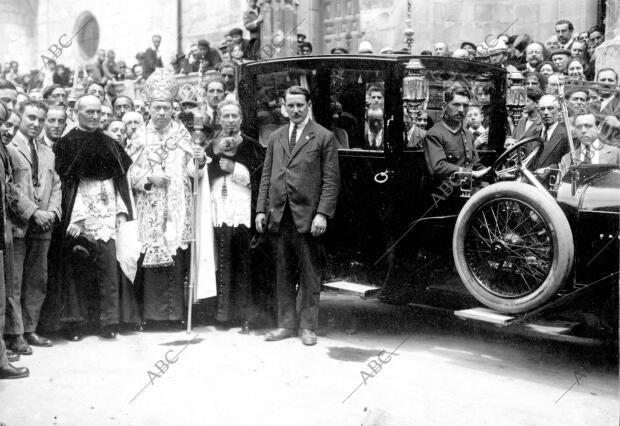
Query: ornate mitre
{"points": [[161, 86]]}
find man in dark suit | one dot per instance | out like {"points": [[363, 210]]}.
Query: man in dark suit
{"points": [[373, 130], [298, 193], [152, 57], [553, 134], [610, 103]]}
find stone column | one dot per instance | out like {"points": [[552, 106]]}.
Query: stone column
{"points": [[608, 53], [279, 29]]}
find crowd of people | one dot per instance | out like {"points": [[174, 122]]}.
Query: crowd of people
{"points": [[77, 175]]}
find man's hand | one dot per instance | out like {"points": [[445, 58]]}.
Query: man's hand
{"points": [[259, 19], [199, 153], [319, 225], [74, 230], [477, 174], [260, 222], [481, 140], [159, 178], [227, 165], [120, 218], [612, 121], [43, 219]]}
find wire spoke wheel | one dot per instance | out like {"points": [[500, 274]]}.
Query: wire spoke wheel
{"points": [[509, 247], [512, 247]]}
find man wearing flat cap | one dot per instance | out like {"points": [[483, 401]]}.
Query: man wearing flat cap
{"points": [[237, 38], [560, 58], [208, 56]]}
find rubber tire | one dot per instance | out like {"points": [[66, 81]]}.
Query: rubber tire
{"points": [[562, 238]]}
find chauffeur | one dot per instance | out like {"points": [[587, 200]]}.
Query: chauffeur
{"points": [[448, 147]]}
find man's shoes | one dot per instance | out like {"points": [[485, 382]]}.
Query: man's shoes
{"points": [[245, 328], [74, 335], [280, 334], [34, 339], [308, 337], [10, 372], [19, 345], [12, 356], [109, 332]]}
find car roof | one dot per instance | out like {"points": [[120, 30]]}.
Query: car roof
{"points": [[435, 62]]}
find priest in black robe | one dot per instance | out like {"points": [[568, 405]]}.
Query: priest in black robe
{"points": [[95, 201], [236, 158]]}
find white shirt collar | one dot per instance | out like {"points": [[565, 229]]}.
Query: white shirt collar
{"points": [[606, 101], [551, 129], [300, 127]]}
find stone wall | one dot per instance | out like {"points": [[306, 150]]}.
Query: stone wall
{"points": [[454, 21], [17, 31]]}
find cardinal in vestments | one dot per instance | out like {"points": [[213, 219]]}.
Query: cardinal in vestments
{"points": [[96, 200], [165, 165]]}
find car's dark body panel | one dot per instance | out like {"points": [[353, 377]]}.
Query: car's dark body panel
{"points": [[590, 198]]}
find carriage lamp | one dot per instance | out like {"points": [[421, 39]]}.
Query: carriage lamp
{"points": [[415, 88], [516, 96]]}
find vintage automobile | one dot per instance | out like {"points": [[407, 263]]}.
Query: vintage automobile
{"points": [[515, 250]]}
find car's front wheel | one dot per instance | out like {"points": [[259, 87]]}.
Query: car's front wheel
{"points": [[512, 246]]}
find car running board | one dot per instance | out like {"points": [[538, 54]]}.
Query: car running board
{"points": [[346, 287], [485, 315], [557, 330]]}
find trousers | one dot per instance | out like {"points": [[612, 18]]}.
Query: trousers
{"points": [[27, 292], [297, 258]]}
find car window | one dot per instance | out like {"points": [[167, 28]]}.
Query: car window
{"points": [[357, 102], [421, 116], [270, 88]]}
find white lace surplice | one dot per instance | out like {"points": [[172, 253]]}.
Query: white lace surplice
{"points": [[232, 206], [97, 204]]}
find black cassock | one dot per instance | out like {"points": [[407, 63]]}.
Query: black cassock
{"points": [[234, 277], [72, 296]]}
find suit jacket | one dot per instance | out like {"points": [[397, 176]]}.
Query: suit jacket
{"points": [[612, 108], [607, 154], [308, 178], [151, 61], [368, 139], [534, 130], [46, 196], [553, 150], [415, 141]]}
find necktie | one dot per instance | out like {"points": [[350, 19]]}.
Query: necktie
{"points": [[587, 155], [544, 134], [374, 141], [214, 120], [35, 163], [293, 139], [476, 134]]}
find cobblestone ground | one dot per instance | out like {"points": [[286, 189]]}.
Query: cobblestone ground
{"points": [[434, 371]]}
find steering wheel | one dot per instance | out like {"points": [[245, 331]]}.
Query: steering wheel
{"points": [[515, 159]]}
